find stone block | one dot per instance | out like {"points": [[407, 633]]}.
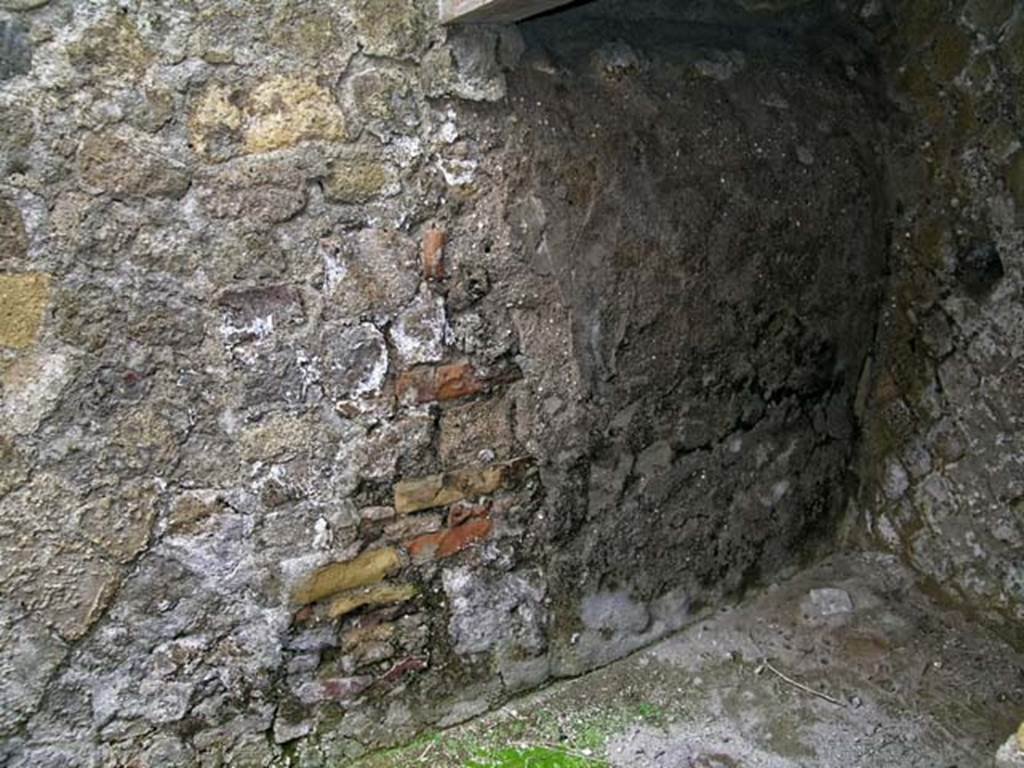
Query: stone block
{"points": [[373, 273], [23, 302], [418, 333], [13, 240], [381, 594], [15, 50], [276, 113], [32, 387], [130, 167], [283, 111], [368, 568], [355, 181], [444, 489]]}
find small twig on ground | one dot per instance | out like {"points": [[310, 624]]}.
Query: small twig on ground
{"points": [[806, 689], [423, 755]]}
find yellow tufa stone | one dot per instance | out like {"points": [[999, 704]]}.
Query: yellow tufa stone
{"points": [[23, 302], [214, 118], [368, 568], [358, 181], [441, 490], [381, 594], [283, 111], [1020, 737]]}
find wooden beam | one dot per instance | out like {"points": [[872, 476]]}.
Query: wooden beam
{"points": [[494, 11]]}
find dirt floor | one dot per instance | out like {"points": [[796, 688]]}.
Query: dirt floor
{"points": [[846, 664]]}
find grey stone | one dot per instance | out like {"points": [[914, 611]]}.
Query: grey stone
{"points": [[15, 50]]}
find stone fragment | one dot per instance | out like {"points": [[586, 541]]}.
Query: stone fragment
{"points": [[384, 102], [260, 191], [356, 361], [29, 653], [215, 124], [432, 255], [489, 612], [23, 302], [418, 333], [337, 689], [130, 166], [428, 384], [15, 50], [382, 594], [377, 633], [377, 514], [276, 113], [279, 434], [32, 387], [355, 181], [826, 602], [254, 313], [441, 490], [1011, 753], [369, 567], [408, 526], [120, 524], [13, 240], [112, 48], [391, 28], [374, 274], [283, 111], [22, 5], [291, 722]]}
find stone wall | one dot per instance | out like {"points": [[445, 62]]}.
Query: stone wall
{"points": [[942, 456], [359, 373]]}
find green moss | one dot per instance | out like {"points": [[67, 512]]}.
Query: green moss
{"points": [[533, 757]]}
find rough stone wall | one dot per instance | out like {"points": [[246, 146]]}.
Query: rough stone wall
{"points": [[943, 457], [358, 373]]}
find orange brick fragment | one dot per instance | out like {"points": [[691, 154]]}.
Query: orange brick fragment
{"points": [[440, 383], [432, 256], [449, 542]]}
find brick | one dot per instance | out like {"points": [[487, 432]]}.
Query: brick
{"points": [[432, 256], [451, 541], [380, 594], [450, 487], [464, 536], [368, 568], [428, 384], [23, 302]]}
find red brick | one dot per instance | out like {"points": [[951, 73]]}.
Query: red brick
{"points": [[440, 383], [457, 380], [424, 547], [449, 542], [463, 536], [432, 256]]}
